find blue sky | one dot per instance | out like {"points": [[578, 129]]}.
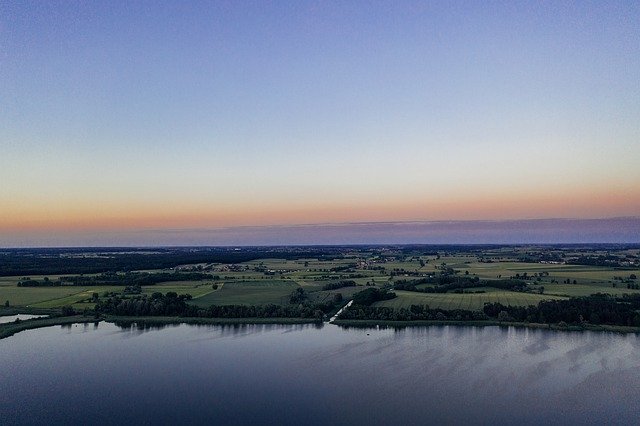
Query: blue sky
{"points": [[148, 115]]}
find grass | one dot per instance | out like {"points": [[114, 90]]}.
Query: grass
{"points": [[578, 290], [581, 273], [50, 297], [326, 295], [468, 301], [194, 288], [56, 297], [259, 292]]}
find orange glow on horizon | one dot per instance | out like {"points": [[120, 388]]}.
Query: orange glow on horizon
{"points": [[596, 203]]}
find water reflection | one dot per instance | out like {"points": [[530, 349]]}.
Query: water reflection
{"points": [[288, 374], [222, 329]]}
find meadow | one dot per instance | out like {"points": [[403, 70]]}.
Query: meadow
{"points": [[270, 280]]}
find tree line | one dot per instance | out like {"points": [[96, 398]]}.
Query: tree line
{"points": [[172, 304], [595, 309], [598, 309], [339, 284], [459, 283], [128, 279]]}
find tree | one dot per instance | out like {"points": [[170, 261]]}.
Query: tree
{"points": [[297, 296], [504, 316], [6, 303], [68, 311]]}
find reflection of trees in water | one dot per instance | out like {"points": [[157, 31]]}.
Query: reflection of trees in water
{"points": [[142, 326], [84, 325], [223, 329]]}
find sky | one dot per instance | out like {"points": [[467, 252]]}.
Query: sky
{"points": [[147, 122]]}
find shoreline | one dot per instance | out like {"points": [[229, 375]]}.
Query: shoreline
{"points": [[487, 323], [205, 321], [9, 329]]}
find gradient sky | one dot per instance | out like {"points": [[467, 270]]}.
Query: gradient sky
{"points": [[121, 117]]}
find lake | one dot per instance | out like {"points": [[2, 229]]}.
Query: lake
{"points": [[305, 374]]}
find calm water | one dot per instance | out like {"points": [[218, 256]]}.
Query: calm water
{"points": [[307, 375]]}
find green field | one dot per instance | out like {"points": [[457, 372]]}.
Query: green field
{"points": [[194, 288], [578, 290], [469, 301], [581, 273], [259, 292], [49, 297], [272, 280]]}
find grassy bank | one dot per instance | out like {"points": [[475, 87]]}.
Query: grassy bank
{"points": [[16, 310], [11, 328]]}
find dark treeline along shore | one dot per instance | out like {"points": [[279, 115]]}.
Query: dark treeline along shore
{"points": [[558, 286]]}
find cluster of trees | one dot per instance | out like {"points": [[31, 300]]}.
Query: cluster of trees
{"points": [[134, 278], [157, 304], [371, 295], [172, 304], [90, 261], [132, 289], [538, 257], [298, 295], [600, 260], [57, 261], [344, 268], [46, 282], [459, 284], [316, 311], [414, 313], [128, 279], [339, 284], [595, 309], [398, 271]]}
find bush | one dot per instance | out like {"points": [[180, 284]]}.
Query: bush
{"points": [[504, 316], [68, 311]]}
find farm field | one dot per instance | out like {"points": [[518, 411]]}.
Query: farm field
{"points": [[49, 297], [271, 280], [194, 288], [579, 290], [257, 292]]}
